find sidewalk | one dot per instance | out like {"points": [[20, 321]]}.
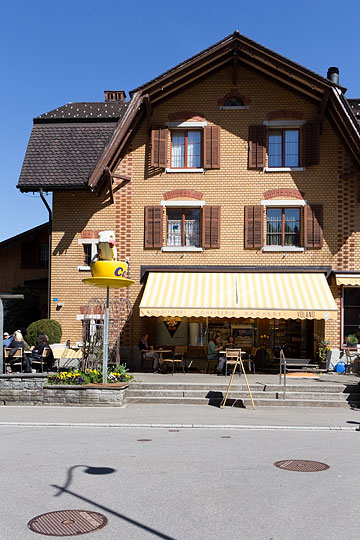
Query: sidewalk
{"points": [[137, 415]]}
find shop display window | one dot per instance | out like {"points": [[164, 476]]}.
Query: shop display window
{"points": [[351, 312]]}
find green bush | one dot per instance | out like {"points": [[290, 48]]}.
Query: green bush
{"points": [[44, 326]]}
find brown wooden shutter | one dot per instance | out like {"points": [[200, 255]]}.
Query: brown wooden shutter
{"points": [[257, 146], [253, 227], [211, 226], [153, 227], [313, 226], [311, 144], [159, 144], [212, 147]]}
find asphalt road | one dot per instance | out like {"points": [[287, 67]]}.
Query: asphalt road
{"points": [[187, 484]]}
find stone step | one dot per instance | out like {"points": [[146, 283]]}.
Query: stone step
{"points": [[246, 402], [221, 387], [143, 392]]}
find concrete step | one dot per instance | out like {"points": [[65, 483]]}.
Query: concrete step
{"points": [[310, 388], [170, 392], [246, 402]]}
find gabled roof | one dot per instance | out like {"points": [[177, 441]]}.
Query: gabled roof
{"points": [[26, 235], [102, 156], [234, 50], [96, 111]]}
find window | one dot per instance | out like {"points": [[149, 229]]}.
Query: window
{"points": [[183, 227], [283, 226], [284, 148], [351, 311], [44, 256], [234, 102], [190, 226], [185, 149], [89, 250]]}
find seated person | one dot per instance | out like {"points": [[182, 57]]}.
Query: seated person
{"points": [[230, 344], [7, 339], [43, 343], [214, 347], [146, 352], [19, 343]]}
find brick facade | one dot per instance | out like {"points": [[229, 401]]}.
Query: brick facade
{"points": [[332, 183]]}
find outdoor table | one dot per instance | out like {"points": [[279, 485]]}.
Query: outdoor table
{"points": [[160, 353]]}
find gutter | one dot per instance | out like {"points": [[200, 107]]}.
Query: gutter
{"points": [[50, 234]]}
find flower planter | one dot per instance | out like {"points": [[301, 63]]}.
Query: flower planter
{"points": [[92, 394]]}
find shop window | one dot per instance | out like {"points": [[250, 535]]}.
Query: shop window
{"points": [[283, 148], [183, 227], [351, 312], [283, 226]]}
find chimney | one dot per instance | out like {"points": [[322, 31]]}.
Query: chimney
{"points": [[115, 95], [333, 74]]}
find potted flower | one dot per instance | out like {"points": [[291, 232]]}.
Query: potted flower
{"points": [[351, 340]]}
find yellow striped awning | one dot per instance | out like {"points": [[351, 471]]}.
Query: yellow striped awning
{"points": [[351, 280], [255, 295]]}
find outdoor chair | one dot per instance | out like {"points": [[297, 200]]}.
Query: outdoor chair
{"points": [[8, 360], [41, 358], [70, 358], [177, 357], [231, 357], [350, 360]]}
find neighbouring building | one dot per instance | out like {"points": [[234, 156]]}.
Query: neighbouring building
{"points": [[232, 184], [24, 263]]}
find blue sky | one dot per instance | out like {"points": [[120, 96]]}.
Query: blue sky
{"points": [[52, 53]]}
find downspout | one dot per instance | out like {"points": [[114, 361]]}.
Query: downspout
{"points": [[50, 233]]}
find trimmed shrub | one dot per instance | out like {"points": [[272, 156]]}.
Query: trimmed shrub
{"points": [[44, 326]]}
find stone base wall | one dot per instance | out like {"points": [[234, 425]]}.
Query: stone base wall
{"points": [[32, 390]]}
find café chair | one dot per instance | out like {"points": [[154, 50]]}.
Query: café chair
{"points": [[231, 357], [8, 360], [177, 357], [41, 358]]}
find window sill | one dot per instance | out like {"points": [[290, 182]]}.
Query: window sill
{"points": [[181, 248], [199, 170], [283, 249], [84, 268], [283, 169], [235, 108]]}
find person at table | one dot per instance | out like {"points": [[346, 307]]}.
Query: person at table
{"points": [[7, 339], [214, 347], [146, 352], [19, 343], [230, 344], [43, 343]]}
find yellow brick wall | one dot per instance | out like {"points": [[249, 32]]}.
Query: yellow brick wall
{"points": [[231, 187]]}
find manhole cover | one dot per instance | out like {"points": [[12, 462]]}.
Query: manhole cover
{"points": [[226, 436], [174, 430], [144, 440], [301, 465], [67, 522]]}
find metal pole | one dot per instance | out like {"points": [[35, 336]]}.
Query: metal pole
{"points": [[106, 337]]}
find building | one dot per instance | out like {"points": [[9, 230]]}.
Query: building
{"points": [[232, 184], [24, 263]]}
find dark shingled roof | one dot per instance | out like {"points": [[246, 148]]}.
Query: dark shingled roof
{"points": [[66, 144], [98, 111], [63, 155]]}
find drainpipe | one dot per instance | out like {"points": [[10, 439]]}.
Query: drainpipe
{"points": [[50, 232]]}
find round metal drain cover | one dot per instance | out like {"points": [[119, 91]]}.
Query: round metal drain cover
{"points": [[226, 436], [67, 522], [301, 465], [174, 430], [144, 440]]}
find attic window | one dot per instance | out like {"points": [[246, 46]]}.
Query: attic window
{"points": [[234, 102]]}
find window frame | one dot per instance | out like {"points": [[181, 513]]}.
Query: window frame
{"points": [[183, 228], [283, 130], [283, 221], [184, 204], [343, 334], [186, 132], [88, 241]]}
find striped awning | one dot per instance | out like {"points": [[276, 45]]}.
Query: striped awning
{"points": [[351, 280], [255, 295]]}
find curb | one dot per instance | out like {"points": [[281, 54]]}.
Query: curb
{"points": [[242, 427]]}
